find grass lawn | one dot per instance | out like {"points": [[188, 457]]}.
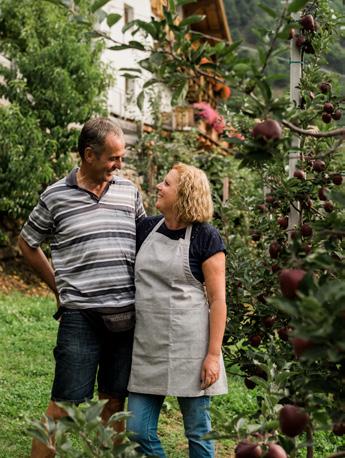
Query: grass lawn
{"points": [[27, 338]]}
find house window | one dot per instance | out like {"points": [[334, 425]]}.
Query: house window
{"points": [[128, 13], [129, 89]]}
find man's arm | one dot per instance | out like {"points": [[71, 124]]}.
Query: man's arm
{"points": [[39, 262]]}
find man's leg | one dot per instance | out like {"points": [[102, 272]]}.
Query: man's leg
{"points": [[144, 422], [40, 450], [197, 423], [113, 373], [76, 359], [112, 406]]}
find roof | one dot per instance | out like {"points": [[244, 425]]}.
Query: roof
{"points": [[215, 23]]}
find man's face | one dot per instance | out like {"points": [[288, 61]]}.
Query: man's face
{"points": [[111, 158]]}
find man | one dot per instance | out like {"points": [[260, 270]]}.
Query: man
{"points": [[90, 218]]}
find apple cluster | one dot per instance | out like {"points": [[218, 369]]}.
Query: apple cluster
{"points": [[329, 111], [303, 37]]}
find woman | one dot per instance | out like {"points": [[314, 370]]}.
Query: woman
{"points": [[179, 331]]}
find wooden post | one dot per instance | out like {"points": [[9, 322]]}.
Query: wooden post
{"points": [[296, 66], [226, 185]]}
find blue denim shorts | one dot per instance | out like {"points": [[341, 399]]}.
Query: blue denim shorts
{"points": [[82, 353]]}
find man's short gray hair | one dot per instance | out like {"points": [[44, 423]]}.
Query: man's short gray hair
{"points": [[94, 132]]}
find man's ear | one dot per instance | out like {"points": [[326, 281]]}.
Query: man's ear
{"points": [[89, 155]]}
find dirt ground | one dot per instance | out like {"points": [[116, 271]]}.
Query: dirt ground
{"points": [[16, 275]]}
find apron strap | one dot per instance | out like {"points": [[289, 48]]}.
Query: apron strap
{"points": [[188, 233]]}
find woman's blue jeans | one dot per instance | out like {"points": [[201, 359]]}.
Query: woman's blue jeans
{"points": [[144, 422]]}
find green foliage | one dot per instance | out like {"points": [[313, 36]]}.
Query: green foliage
{"points": [[245, 19], [24, 167], [55, 78], [175, 57], [95, 439]]}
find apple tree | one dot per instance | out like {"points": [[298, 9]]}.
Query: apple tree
{"points": [[284, 232]]}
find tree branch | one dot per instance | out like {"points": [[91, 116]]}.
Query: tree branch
{"points": [[337, 455], [311, 133]]}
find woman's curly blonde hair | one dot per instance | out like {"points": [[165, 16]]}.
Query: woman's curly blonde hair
{"points": [[194, 200]]}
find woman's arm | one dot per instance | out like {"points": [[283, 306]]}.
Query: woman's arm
{"points": [[214, 273]]}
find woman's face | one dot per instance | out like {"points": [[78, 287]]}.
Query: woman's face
{"points": [[167, 192]]}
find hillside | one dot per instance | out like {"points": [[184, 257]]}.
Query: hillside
{"points": [[245, 17]]}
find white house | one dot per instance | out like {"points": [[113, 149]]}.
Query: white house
{"points": [[122, 96]]}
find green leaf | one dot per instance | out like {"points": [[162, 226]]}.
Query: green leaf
{"points": [[172, 6], [119, 47], [140, 100], [338, 197], [180, 93], [265, 90], [150, 83], [147, 27], [113, 18], [98, 4], [129, 69], [268, 10], [285, 306], [94, 411], [297, 5], [192, 19], [136, 45], [184, 2], [64, 3]]}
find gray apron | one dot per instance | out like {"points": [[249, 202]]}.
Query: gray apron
{"points": [[172, 321]]}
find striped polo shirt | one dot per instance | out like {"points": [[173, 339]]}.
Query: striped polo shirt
{"points": [[92, 241]]}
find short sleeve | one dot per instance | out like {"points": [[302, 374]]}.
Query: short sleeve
{"points": [[206, 242], [39, 225], [139, 208]]}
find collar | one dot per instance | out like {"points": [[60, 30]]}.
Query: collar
{"points": [[71, 178]]}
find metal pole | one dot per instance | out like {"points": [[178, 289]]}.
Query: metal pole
{"points": [[296, 66]]}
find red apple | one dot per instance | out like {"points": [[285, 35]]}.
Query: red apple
{"points": [[328, 206], [308, 23], [319, 165], [268, 321], [284, 333], [256, 236], [337, 115], [326, 118], [328, 107], [263, 208], [293, 420], [306, 230], [337, 179], [255, 340], [275, 268], [325, 87], [247, 450], [300, 346], [283, 221], [300, 41], [323, 193], [249, 383], [299, 174], [274, 249], [339, 429], [275, 451], [267, 130], [289, 280]]}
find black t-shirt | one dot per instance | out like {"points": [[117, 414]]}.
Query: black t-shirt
{"points": [[205, 241]]}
